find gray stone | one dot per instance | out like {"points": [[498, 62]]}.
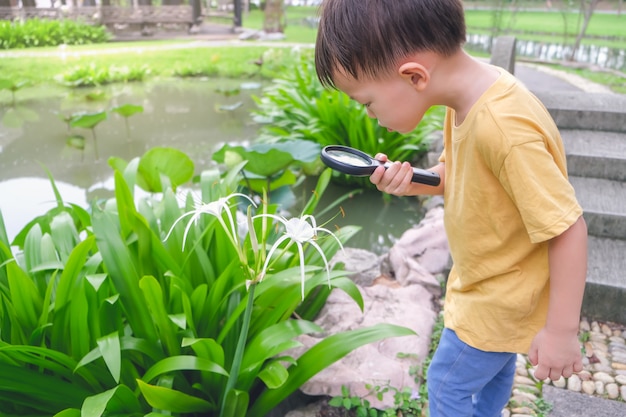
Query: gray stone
{"points": [[503, 53], [363, 265]]}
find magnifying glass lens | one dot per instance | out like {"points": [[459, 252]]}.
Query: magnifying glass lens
{"points": [[349, 158]]}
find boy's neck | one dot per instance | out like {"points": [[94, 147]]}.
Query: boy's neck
{"points": [[462, 80]]}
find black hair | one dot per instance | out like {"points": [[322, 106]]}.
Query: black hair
{"points": [[365, 38]]}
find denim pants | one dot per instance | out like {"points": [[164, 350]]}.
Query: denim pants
{"points": [[468, 382]]}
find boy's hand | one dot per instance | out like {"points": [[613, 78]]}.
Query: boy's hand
{"points": [[555, 354], [394, 180]]}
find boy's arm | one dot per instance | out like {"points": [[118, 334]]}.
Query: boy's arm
{"points": [[396, 179], [556, 349]]}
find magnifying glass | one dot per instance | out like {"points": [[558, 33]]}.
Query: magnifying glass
{"points": [[354, 162]]}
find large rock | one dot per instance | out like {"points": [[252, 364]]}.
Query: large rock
{"points": [[406, 294], [385, 363]]}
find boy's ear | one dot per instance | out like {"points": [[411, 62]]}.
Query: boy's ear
{"points": [[415, 73]]}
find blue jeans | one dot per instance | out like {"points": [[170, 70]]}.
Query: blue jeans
{"points": [[467, 382]]}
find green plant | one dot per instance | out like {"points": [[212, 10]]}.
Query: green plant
{"points": [[101, 315], [126, 111], [40, 32], [406, 402], [13, 87], [91, 74], [271, 166], [296, 106], [89, 121]]}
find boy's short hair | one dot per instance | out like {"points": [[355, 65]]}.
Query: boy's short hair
{"points": [[365, 38]]}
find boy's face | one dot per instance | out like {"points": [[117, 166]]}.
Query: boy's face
{"points": [[396, 100]]}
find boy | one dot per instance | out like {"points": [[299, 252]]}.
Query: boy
{"points": [[515, 229]]}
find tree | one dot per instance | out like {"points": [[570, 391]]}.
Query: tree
{"points": [[586, 10], [274, 21]]}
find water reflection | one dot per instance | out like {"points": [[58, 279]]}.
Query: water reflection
{"points": [[25, 198], [602, 56]]}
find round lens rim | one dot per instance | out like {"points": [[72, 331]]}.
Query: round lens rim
{"points": [[359, 171]]}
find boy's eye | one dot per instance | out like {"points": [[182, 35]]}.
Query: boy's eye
{"points": [[367, 105]]}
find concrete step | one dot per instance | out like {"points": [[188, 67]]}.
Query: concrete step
{"points": [[580, 110], [596, 154], [575, 404], [605, 292], [604, 205]]}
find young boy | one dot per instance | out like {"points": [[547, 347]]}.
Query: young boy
{"points": [[515, 229]]}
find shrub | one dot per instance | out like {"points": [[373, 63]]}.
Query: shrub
{"points": [[39, 32], [122, 310]]}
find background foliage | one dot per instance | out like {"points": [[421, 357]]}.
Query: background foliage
{"points": [[40, 32]]}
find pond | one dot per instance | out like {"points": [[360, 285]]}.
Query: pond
{"points": [[195, 116]]}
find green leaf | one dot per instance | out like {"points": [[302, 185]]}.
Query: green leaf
{"points": [[170, 162], [87, 120], [182, 363], [153, 295], [274, 375], [236, 404], [119, 263], [76, 142], [69, 412], [167, 399], [117, 400], [127, 110], [109, 346], [268, 160]]}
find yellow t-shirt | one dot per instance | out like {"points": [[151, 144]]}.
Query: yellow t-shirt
{"points": [[506, 195]]}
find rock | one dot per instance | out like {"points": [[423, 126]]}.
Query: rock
{"points": [[604, 377], [589, 387], [574, 383], [363, 265], [612, 390], [421, 252], [377, 363]]}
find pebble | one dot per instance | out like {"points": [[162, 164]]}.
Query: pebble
{"points": [[604, 373]]}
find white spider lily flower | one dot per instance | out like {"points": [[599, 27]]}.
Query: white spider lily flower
{"points": [[214, 208], [299, 230]]}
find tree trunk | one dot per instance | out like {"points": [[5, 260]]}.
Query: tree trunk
{"points": [[29, 3], [587, 13], [274, 16], [5, 3]]}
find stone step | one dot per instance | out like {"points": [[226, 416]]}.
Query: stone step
{"points": [[604, 205], [605, 292], [598, 154], [581, 110]]}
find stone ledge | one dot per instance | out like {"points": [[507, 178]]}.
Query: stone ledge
{"points": [[580, 110]]}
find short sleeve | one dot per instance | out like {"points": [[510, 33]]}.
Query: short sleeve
{"points": [[540, 190]]}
